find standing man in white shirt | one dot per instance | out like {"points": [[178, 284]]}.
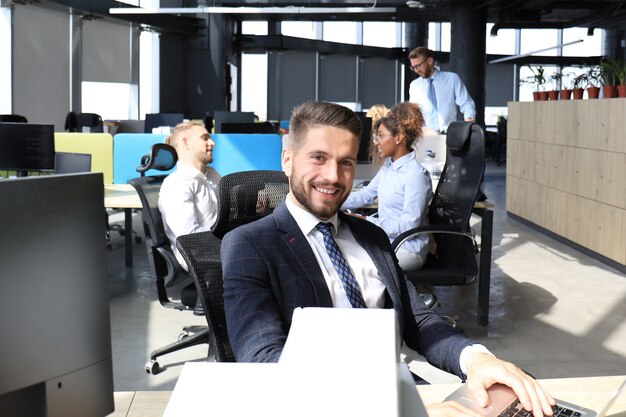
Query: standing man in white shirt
{"points": [[188, 198], [438, 92]]}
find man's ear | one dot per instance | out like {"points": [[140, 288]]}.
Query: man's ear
{"points": [[286, 161]]}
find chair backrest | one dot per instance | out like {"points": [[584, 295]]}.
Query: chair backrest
{"points": [[457, 191], [244, 197], [247, 196], [91, 120], [201, 251], [13, 118], [162, 157], [70, 162], [163, 264]]}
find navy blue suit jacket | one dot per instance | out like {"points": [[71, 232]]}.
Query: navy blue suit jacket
{"points": [[270, 269]]}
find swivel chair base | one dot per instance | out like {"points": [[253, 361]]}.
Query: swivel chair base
{"points": [[190, 336]]}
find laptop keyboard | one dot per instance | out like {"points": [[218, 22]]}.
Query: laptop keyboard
{"points": [[517, 410]]}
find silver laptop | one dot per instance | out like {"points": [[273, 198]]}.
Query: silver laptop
{"points": [[504, 402]]}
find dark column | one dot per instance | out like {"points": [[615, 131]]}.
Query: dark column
{"points": [[467, 51], [195, 77], [614, 44], [416, 34]]}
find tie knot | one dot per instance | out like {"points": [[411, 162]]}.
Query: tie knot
{"points": [[325, 228]]}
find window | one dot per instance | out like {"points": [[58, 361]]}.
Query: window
{"points": [[591, 45], [383, 34], [307, 30], [254, 84], [109, 100], [533, 40], [253, 28], [5, 56], [503, 43], [344, 32]]}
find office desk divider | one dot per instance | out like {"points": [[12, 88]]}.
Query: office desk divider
{"points": [[128, 148], [98, 145], [236, 152]]}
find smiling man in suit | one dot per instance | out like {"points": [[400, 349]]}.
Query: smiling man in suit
{"points": [[308, 254]]}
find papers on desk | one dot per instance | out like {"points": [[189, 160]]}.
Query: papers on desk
{"points": [[335, 362]]}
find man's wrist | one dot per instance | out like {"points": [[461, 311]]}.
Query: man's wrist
{"points": [[467, 352]]}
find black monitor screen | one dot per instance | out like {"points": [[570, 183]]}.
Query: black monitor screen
{"points": [[26, 147], [56, 335], [162, 119], [232, 117]]}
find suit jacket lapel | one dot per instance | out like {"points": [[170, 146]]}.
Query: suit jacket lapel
{"points": [[300, 254]]}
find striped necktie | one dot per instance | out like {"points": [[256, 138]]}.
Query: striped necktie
{"points": [[341, 266]]}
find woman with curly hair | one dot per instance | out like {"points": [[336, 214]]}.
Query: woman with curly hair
{"points": [[402, 186]]}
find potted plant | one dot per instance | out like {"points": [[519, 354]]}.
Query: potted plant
{"points": [[615, 73], [538, 81], [578, 86], [556, 79], [594, 80], [566, 81]]}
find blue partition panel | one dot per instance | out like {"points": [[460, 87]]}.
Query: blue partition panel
{"points": [[236, 152], [284, 124], [128, 148]]}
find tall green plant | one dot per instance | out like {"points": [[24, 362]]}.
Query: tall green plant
{"points": [[538, 79], [614, 71]]}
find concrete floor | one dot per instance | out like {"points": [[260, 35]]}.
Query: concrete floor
{"points": [[554, 311]]}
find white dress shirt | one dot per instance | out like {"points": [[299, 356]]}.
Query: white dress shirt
{"points": [[404, 190], [450, 92], [363, 268], [188, 203]]}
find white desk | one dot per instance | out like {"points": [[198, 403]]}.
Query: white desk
{"points": [[590, 392], [123, 196]]}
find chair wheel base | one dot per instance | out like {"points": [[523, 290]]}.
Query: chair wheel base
{"points": [[152, 367]]}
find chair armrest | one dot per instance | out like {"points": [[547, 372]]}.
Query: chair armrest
{"points": [[176, 273], [434, 229]]}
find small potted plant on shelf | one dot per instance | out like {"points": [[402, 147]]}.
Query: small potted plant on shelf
{"points": [[556, 79], [614, 71], [566, 82], [538, 81], [579, 83], [594, 80]]}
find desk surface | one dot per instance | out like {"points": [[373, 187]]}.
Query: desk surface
{"points": [[590, 392], [121, 196]]}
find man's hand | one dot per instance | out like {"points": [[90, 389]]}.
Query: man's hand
{"points": [[450, 409], [484, 370]]}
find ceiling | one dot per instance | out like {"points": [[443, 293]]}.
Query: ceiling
{"points": [[605, 14]]}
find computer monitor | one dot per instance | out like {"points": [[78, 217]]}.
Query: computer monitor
{"points": [[26, 147], [162, 119], [70, 162], [260, 127], [55, 348], [231, 117]]}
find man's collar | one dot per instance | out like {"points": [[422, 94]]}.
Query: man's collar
{"points": [[306, 221]]}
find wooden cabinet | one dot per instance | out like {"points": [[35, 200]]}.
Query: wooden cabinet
{"points": [[566, 170]]}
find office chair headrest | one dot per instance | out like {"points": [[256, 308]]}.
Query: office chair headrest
{"points": [[457, 134], [162, 157]]}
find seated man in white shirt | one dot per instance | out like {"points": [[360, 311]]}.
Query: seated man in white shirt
{"points": [[188, 199]]}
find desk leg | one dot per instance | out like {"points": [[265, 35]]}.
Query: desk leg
{"points": [[484, 278], [128, 236]]}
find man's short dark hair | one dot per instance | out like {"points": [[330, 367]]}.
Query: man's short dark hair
{"points": [[312, 114], [421, 51]]}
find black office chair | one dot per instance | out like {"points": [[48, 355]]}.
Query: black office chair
{"points": [[13, 118], [243, 197], [454, 260], [168, 273], [74, 122]]}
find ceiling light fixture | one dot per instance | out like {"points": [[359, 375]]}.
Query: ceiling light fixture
{"points": [[249, 10]]}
